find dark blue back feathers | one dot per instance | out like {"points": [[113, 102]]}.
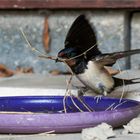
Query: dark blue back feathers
{"points": [[82, 36]]}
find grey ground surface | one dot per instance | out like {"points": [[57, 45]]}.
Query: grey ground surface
{"points": [[76, 136], [37, 84], [56, 85]]}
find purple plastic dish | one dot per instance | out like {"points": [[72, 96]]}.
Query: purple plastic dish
{"points": [[48, 115]]}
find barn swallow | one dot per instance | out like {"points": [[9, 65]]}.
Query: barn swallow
{"points": [[87, 62]]}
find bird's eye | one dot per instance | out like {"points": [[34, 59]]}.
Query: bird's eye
{"points": [[61, 54]]}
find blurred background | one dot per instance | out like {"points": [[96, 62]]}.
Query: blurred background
{"points": [[46, 23]]}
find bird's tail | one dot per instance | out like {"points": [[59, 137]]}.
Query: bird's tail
{"points": [[121, 82], [126, 53], [109, 59]]}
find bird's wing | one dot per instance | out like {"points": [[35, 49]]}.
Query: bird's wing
{"points": [[82, 36], [111, 58], [111, 70]]}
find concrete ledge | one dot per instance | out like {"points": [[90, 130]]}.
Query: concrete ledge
{"points": [[37, 84]]}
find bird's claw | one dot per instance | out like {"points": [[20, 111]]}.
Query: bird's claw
{"points": [[104, 93], [97, 98]]}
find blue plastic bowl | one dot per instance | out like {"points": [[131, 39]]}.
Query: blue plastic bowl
{"points": [[54, 104], [38, 114]]}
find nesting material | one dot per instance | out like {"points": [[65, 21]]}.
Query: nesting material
{"points": [[132, 127], [100, 132]]}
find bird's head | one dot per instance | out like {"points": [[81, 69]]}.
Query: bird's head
{"points": [[67, 54]]}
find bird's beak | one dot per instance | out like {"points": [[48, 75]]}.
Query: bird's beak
{"points": [[57, 60]]}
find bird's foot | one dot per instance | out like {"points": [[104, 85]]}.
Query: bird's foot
{"points": [[98, 98], [81, 90], [102, 89]]}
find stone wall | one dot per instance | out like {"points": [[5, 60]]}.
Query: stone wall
{"points": [[14, 52]]}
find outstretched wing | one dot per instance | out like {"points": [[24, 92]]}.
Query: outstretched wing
{"points": [[82, 36], [111, 58]]}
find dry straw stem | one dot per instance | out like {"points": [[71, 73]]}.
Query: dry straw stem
{"points": [[119, 105], [42, 55], [68, 92], [47, 133], [76, 105], [56, 58], [12, 112], [84, 104], [35, 49], [52, 58], [110, 107], [123, 91], [100, 43]]}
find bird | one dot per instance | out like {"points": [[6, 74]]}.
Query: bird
{"points": [[87, 62]]}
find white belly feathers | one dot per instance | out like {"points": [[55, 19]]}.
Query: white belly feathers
{"points": [[94, 75]]}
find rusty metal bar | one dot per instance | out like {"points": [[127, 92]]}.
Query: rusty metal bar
{"points": [[69, 4], [127, 37]]}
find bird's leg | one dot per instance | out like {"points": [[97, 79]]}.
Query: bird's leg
{"points": [[102, 89], [82, 91], [103, 92]]}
